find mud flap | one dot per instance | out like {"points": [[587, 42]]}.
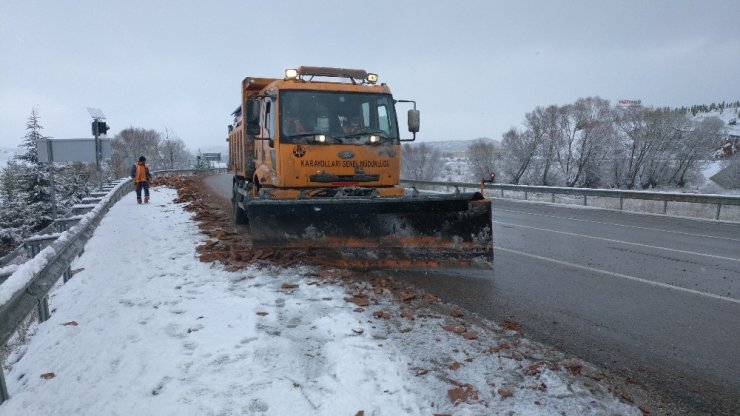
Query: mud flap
{"points": [[423, 231]]}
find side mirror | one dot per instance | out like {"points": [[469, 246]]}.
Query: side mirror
{"points": [[414, 118]]}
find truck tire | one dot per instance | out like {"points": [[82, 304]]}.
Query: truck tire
{"points": [[240, 216]]}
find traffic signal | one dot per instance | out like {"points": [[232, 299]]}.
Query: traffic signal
{"points": [[99, 127]]}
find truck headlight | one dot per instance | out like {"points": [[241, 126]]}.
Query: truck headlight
{"points": [[374, 139], [320, 138]]}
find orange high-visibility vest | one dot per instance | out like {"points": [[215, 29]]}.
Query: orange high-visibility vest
{"points": [[140, 173]]}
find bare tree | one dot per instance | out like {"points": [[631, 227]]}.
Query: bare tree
{"points": [[420, 162], [129, 144], [550, 123], [696, 144], [519, 149], [172, 151], [593, 144], [585, 129], [482, 157], [635, 145], [666, 131]]}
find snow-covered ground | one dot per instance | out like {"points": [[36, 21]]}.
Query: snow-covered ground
{"points": [[145, 328]]}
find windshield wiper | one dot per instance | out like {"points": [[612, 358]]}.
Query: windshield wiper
{"points": [[366, 132]]}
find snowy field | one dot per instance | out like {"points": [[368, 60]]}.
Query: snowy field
{"points": [[145, 328]]}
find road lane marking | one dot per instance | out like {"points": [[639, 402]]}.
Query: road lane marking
{"points": [[623, 276], [620, 225], [621, 242]]}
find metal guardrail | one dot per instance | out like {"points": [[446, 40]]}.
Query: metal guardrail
{"points": [[666, 197], [28, 285]]}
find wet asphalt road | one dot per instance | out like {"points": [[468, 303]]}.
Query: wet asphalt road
{"points": [[651, 297]]}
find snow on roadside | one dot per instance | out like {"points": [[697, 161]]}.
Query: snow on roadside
{"points": [[144, 327]]}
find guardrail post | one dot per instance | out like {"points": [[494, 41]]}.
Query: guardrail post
{"points": [[665, 207], [719, 207], [502, 192], [621, 203], [3, 387], [525, 195], [67, 274], [33, 249], [552, 199], [585, 200], [44, 309]]}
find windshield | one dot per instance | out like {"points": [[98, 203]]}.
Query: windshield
{"points": [[343, 117]]}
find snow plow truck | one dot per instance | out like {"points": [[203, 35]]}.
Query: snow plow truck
{"points": [[316, 161]]}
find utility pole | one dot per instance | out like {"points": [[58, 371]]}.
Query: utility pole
{"points": [[50, 160]]}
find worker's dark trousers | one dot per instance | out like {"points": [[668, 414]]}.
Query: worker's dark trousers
{"points": [[140, 185]]}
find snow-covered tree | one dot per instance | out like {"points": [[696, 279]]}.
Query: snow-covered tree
{"points": [[129, 144], [25, 189], [33, 178], [420, 162], [12, 208], [173, 152], [33, 134], [586, 131], [519, 148], [26, 204], [74, 181], [482, 156]]}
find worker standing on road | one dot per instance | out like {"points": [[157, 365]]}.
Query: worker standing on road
{"points": [[141, 176]]}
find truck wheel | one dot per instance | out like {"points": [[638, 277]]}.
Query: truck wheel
{"points": [[240, 216]]}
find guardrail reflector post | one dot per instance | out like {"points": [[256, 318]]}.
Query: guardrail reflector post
{"points": [[3, 387], [44, 309]]}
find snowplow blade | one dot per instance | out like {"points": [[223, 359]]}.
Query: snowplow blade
{"points": [[410, 232]]}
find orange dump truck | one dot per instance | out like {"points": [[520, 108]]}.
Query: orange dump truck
{"points": [[316, 161]]}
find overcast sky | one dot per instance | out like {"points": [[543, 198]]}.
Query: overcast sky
{"points": [[474, 67]]}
